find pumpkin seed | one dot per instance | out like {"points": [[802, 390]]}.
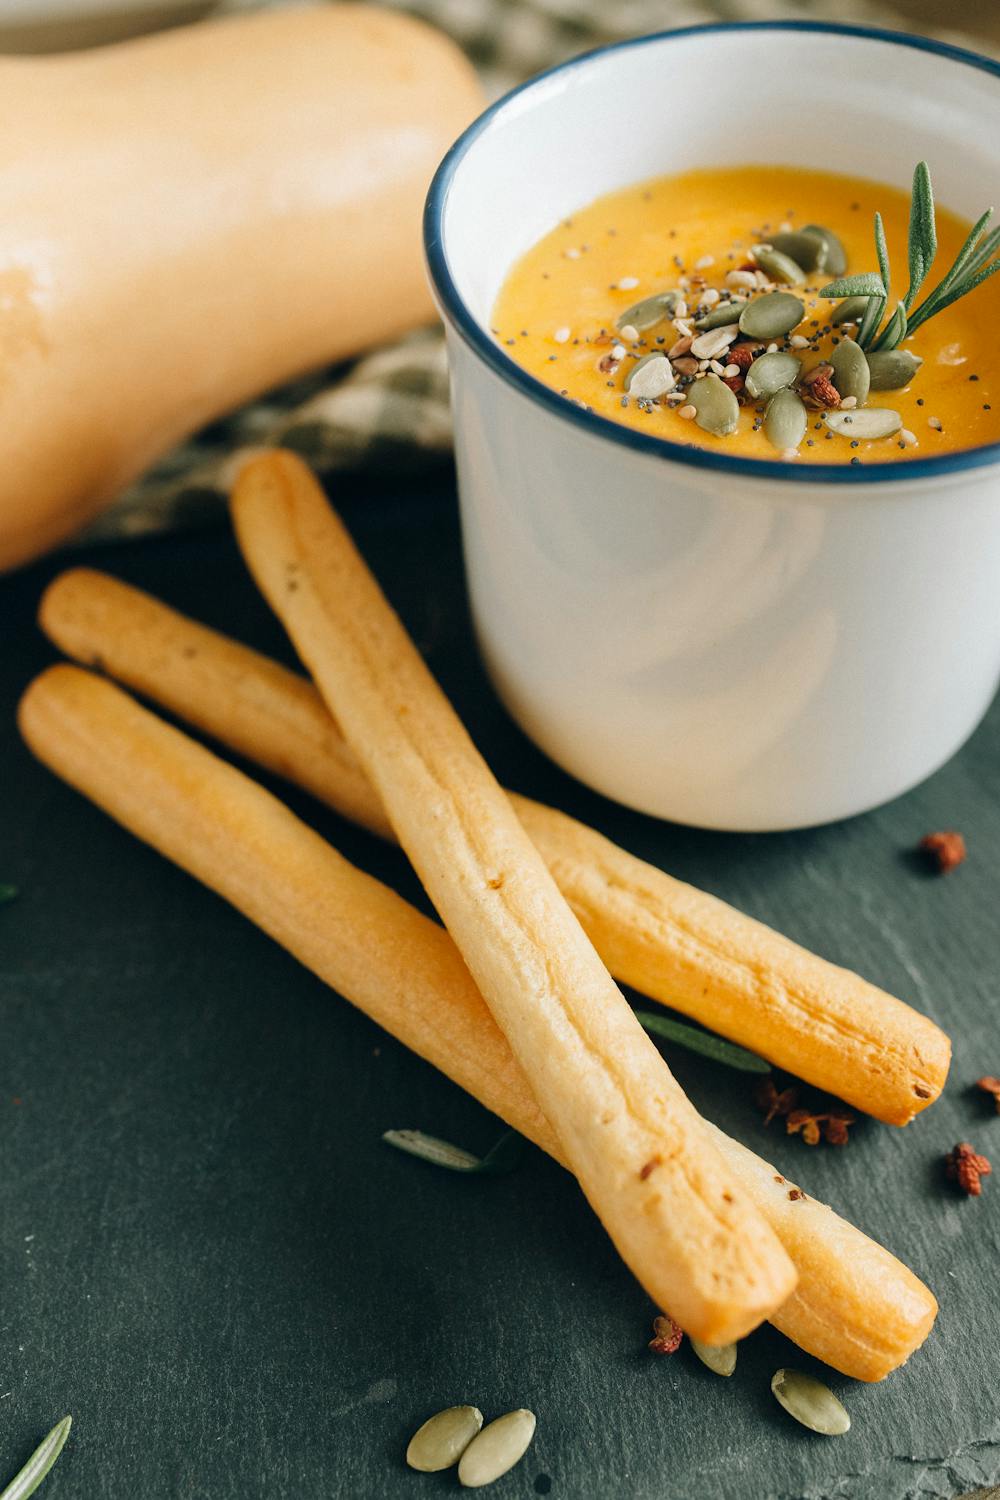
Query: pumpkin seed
{"points": [[443, 1438], [805, 247], [651, 376], [497, 1448], [771, 316], [717, 409], [810, 1402], [720, 1359], [851, 310], [891, 369], [650, 311], [726, 312], [779, 267], [770, 373], [851, 374], [864, 423], [785, 420], [836, 256]]}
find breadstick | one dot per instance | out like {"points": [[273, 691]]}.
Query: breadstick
{"points": [[675, 1212], [669, 940], [855, 1306]]}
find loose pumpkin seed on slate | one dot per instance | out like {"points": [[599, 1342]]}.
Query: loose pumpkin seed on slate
{"points": [[836, 255], [851, 374], [726, 312], [647, 313], [651, 376], [770, 373], [806, 248], [891, 369], [864, 423], [785, 420], [716, 408], [497, 1448], [771, 316], [810, 1402], [443, 1438], [779, 267], [720, 1359], [851, 310]]}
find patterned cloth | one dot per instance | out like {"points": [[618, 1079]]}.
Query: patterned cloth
{"points": [[389, 410]]}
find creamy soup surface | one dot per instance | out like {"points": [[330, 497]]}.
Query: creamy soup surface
{"points": [[560, 307]]}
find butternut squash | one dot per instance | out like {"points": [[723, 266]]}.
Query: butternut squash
{"points": [[194, 217]]}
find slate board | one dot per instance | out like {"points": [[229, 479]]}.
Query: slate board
{"points": [[209, 1258]]}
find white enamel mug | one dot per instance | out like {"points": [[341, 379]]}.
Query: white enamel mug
{"points": [[721, 641]]}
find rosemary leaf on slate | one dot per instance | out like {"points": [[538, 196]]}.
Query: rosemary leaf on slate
{"points": [[30, 1477], [705, 1042], [502, 1158]]}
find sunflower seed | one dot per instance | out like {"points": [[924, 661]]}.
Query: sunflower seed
{"points": [[785, 420], [681, 347], [647, 313], [851, 310], [810, 1402], [770, 373], [836, 255], [851, 374], [891, 369], [717, 409], [805, 247], [864, 423], [779, 267], [711, 344], [442, 1440], [726, 312], [497, 1448], [650, 377], [771, 316], [721, 1359]]}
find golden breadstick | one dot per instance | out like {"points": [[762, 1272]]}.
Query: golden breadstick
{"points": [[855, 1306], [677, 1215], [673, 942]]}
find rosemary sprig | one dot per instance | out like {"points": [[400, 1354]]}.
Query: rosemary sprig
{"points": [[30, 1477], [503, 1157], [704, 1042], [977, 260]]}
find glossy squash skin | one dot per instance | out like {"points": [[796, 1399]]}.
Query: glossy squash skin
{"points": [[193, 218]]}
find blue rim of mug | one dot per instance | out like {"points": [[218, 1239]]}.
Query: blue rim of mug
{"points": [[491, 353]]}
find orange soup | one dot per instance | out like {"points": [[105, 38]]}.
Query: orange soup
{"points": [[637, 308]]}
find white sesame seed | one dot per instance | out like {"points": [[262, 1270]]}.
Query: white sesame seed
{"points": [[731, 371], [709, 297], [561, 335], [784, 227], [573, 254], [799, 341], [908, 437], [703, 365], [680, 308], [789, 454], [683, 283], [683, 327], [618, 351], [703, 262], [687, 412], [772, 348], [629, 333], [848, 402], [626, 283], [717, 369], [935, 422]]}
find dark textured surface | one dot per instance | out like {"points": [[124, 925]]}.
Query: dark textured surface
{"points": [[211, 1261]]}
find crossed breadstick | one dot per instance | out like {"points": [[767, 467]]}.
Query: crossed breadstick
{"points": [[855, 1306]]}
